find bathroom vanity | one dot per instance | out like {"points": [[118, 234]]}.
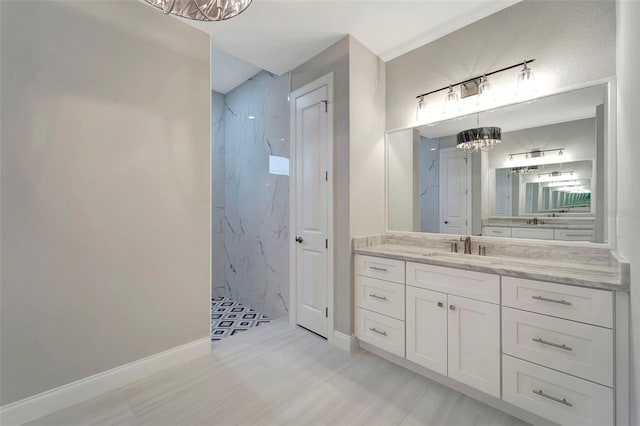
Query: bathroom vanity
{"points": [[498, 274], [535, 329]]}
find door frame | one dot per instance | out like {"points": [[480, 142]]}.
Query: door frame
{"points": [[326, 80], [468, 160]]}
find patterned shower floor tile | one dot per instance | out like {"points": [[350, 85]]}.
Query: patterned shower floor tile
{"points": [[229, 317]]}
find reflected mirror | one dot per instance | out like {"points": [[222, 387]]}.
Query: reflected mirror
{"points": [[545, 180]]}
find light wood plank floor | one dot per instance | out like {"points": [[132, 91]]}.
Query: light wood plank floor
{"points": [[277, 375]]}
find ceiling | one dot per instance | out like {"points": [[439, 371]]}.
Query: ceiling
{"points": [[279, 35]]}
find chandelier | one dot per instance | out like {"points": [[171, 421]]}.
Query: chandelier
{"points": [[202, 10], [479, 138]]}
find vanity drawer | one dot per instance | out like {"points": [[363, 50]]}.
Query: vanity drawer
{"points": [[471, 284], [539, 233], [380, 268], [381, 331], [564, 301], [380, 296], [556, 396], [573, 235], [579, 349], [496, 231]]}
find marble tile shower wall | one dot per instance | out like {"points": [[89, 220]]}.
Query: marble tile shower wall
{"points": [[429, 176], [255, 213], [218, 222]]}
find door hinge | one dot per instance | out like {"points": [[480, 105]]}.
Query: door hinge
{"points": [[326, 175], [326, 243], [326, 312], [326, 105]]}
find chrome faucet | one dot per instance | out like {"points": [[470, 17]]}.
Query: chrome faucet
{"points": [[467, 244]]}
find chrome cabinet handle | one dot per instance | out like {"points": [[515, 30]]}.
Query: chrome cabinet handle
{"points": [[375, 268], [378, 297], [453, 308], [555, 345], [545, 299], [439, 304], [384, 333], [553, 398]]}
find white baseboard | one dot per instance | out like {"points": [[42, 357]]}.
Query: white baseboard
{"points": [[44, 403], [345, 342]]}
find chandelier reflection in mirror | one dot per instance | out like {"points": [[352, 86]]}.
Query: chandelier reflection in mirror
{"points": [[479, 138], [202, 10]]}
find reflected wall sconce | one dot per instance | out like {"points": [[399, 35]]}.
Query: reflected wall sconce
{"points": [[557, 174], [481, 87], [537, 153], [522, 170]]}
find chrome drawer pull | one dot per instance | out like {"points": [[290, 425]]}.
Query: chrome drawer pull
{"points": [[378, 297], [553, 398], [384, 333], [545, 299], [375, 268], [555, 345]]}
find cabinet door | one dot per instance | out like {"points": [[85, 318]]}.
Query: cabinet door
{"points": [[426, 325], [474, 343]]}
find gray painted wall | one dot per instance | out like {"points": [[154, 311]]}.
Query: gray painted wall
{"points": [[572, 42], [105, 189], [628, 196], [256, 206]]}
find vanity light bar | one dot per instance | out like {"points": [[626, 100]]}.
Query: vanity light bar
{"points": [[554, 174], [475, 79], [537, 153]]}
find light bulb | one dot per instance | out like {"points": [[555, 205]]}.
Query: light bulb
{"points": [[451, 102], [526, 82], [486, 94], [421, 110]]}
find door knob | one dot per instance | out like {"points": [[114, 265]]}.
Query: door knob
{"points": [[299, 240], [446, 222]]}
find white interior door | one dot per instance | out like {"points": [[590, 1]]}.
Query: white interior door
{"points": [[455, 192], [312, 139], [503, 192]]}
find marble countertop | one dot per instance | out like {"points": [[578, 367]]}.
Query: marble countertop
{"points": [[584, 275]]}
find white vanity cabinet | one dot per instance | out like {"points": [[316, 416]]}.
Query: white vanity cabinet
{"points": [[539, 233], [541, 347], [558, 356], [453, 324], [380, 299]]}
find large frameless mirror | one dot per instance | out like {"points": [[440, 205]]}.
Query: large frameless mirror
{"points": [[545, 180]]}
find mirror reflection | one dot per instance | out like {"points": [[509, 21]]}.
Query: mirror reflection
{"points": [[549, 189], [546, 178]]}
